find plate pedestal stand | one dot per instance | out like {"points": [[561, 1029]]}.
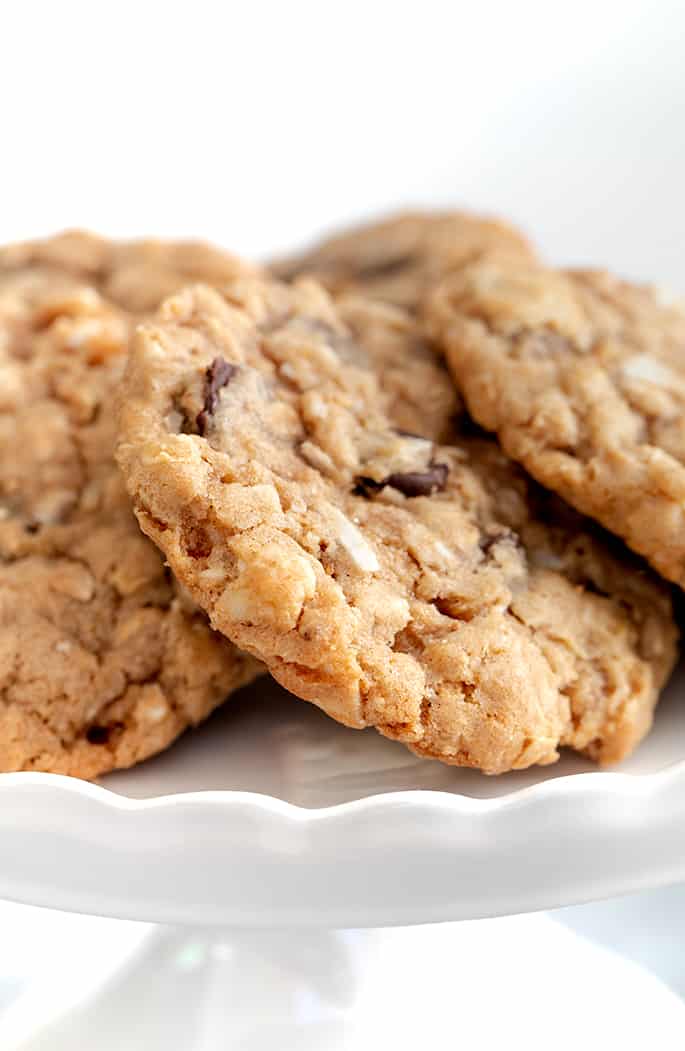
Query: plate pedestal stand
{"points": [[253, 893], [168, 988]]}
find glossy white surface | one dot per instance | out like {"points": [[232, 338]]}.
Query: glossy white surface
{"points": [[272, 815], [491, 984]]}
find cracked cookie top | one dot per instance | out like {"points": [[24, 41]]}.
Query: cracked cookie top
{"points": [[582, 377], [103, 660], [428, 590], [399, 258]]}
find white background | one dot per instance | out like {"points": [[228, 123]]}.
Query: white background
{"points": [[260, 124]]}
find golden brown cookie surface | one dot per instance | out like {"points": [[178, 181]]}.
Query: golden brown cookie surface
{"points": [[582, 377], [103, 660], [399, 258], [429, 591]]}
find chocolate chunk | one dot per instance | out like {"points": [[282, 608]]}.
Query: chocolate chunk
{"points": [[97, 734], [102, 734], [410, 483], [218, 375], [420, 483], [468, 428], [506, 536], [366, 486]]}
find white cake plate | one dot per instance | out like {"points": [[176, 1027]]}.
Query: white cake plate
{"points": [[271, 815]]}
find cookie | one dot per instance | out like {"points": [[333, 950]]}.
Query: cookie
{"points": [[103, 658], [135, 275], [402, 256], [582, 377], [418, 394], [427, 590]]}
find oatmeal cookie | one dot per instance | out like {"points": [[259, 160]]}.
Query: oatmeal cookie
{"points": [[399, 258], [427, 590], [134, 275], [103, 658], [582, 377]]}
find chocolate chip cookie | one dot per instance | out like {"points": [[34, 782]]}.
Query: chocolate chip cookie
{"points": [[582, 377], [430, 591], [103, 658], [399, 258], [135, 275]]}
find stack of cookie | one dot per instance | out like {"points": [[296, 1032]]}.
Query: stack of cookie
{"points": [[319, 503], [103, 658]]}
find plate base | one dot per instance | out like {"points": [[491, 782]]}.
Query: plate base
{"points": [[357, 990]]}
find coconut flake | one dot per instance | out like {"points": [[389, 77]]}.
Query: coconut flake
{"points": [[289, 371], [646, 367], [316, 406], [154, 713], [359, 550]]}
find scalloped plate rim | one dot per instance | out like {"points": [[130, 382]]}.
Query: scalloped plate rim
{"points": [[456, 856], [617, 782]]}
